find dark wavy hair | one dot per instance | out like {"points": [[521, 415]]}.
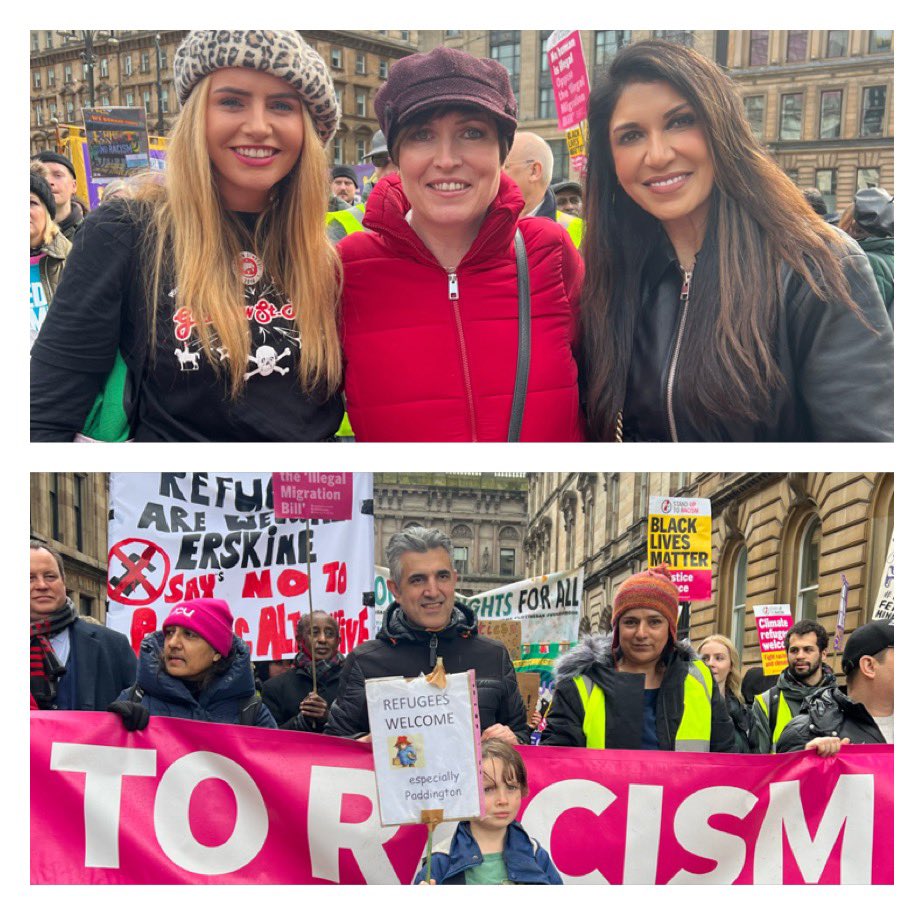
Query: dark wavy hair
{"points": [[758, 219]]}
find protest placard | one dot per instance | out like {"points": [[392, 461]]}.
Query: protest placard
{"points": [[320, 496], [191, 802], [426, 744], [117, 142], [680, 535], [528, 684], [177, 536], [885, 600], [773, 621], [509, 632], [570, 85]]}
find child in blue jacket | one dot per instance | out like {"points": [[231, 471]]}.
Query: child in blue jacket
{"points": [[494, 848]]}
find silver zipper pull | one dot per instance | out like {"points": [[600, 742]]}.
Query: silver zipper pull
{"points": [[453, 287], [685, 288]]}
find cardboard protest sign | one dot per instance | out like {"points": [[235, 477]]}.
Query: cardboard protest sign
{"points": [[570, 85], [509, 632], [885, 601], [117, 142], [773, 621], [321, 496], [680, 534], [529, 684], [177, 536], [426, 744]]}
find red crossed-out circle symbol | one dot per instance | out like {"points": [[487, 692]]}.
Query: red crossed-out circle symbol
{"points": [[140, 572]]}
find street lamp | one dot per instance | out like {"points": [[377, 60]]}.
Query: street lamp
{"points": [[160, 91], [86, 55]]}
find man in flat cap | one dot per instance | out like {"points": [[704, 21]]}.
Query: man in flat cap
{"points": [[864, 713]]}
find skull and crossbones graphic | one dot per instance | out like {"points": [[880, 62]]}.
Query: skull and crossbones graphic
{"points": [[265, 359]]}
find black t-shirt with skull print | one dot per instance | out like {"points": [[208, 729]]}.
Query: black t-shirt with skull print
{"points": [[99, 309]]}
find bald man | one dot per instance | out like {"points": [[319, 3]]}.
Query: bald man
{"points": [[530, 164]]}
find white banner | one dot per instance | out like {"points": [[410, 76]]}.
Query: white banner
{"points": [[178, 536], [426, 746], [885, 602]]}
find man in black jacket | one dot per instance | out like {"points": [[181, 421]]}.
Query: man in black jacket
{"points": [[75, 664], [865, 713], [423, 623], [295, 706]]}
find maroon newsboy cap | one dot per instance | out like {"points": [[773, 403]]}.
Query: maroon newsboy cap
{"points": [[440, 77]]}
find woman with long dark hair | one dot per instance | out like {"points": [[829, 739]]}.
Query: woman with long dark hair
{"points": [[209, 301], [717, 306]]}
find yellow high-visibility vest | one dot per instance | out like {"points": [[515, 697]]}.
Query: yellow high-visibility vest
{"points": [[695, 731], [783, 715], [573, 224]]}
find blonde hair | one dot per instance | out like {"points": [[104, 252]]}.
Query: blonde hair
{"points": [[192, 236], [733, 680]]}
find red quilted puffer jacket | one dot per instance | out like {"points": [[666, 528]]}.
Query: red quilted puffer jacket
{"points": [[422, 367]]}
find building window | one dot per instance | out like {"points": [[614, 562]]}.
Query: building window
{"points": [[54, 503], [508, 561], [559, 159], [338, 150], [36, 79], [405, 36], [739, 599], [758, 55], [49, 40], [80, 501], [826, 182], [867, 177], [86, 605], [796, 46], [104, 99], [383, 69], [679, 481], [336, 58], [612, 506], [37, 111], [505, 48], [547, 108], [52, 109], [607, 44], [68, 74], [361, 103], [829, 127], [453, 33], [69, 107], [104, 67], [807, 589], [791, 116], [50, 77], [145, 62], [35, 41], [872, 114], [754, 106], [129, 99], [164, 100], [146, 101], [360, 149], [880, 42], [338, 91], [837, 44], [162, 59], [641, 496], [127, 65], [360, 64], [460, 559]]}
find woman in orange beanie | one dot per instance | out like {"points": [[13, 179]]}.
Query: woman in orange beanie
{"points": [[639, 688]]}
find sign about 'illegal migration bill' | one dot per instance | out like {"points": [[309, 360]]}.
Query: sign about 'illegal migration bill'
{"points": [[426, 743], [324, 496], [178, 536], [773, 621], [570, 85], [680, 534], [885, 602]]}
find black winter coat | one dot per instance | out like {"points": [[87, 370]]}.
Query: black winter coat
{"points": [[838, 373], [625, 701], [402, 650], [282, 696], [829, 713]]}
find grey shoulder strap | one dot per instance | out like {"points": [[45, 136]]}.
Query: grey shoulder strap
{"points": [[523, 341]]}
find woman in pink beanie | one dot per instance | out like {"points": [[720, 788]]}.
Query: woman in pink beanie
{"points": [[194, 667], [638, 688]]}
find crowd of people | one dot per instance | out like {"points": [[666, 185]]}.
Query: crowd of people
{"points": [[637, 687], [684, 291]]}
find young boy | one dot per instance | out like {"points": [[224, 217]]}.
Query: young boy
{"points": [[495, 848]]}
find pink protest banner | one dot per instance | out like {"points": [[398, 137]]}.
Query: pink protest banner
{"points": [[773, 621], [569, 77], [321, 496], [190, 802]]}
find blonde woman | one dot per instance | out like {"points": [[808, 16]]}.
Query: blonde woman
{"points": [[215, 291], [48, 248], [721, 657]]}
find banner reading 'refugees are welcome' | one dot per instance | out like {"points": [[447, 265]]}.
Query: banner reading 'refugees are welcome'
{"points": [[177, 536], [189, 802]]}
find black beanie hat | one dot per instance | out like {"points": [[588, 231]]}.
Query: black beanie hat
{"points": [[344, 171], [40, 187], [47, 155]]}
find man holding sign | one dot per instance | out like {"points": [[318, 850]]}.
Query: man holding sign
{"points": [[423, 623]]}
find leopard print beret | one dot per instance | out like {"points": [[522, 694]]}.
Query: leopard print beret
{"points": [[281, 53]]}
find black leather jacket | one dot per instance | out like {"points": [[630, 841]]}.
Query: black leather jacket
{"points": [[403, 650], [839, 374], [829, 713]]}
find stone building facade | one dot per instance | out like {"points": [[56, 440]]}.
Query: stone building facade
{"points": [[776, 538], [69, 512], [484, 514]]}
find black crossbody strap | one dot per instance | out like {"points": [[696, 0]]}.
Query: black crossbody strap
{"points": [[523, 340]]}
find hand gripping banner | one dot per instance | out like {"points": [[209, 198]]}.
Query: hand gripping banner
{"points": [[192, 802]]}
